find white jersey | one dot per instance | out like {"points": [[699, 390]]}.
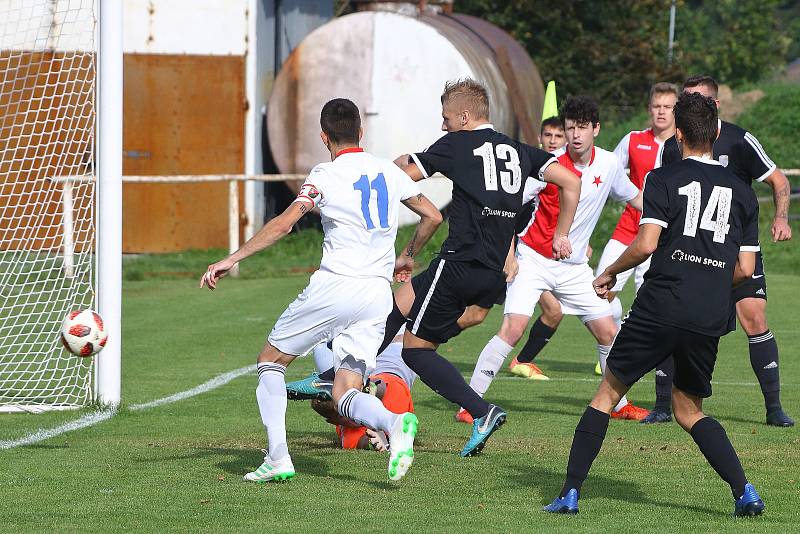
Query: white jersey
{"points": [[601, 178], [391, 361], [359, 198]]}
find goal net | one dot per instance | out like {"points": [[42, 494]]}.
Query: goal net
{"points": [[48, 73]]}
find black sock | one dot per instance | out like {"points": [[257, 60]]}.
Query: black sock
{"points": [[764, 359], [328, 375], [537, 339], [716, 447], [664, 374], [442, 377], [393, 323], [589, 436]]}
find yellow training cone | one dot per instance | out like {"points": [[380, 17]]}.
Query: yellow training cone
{"points": [[550, 103]]}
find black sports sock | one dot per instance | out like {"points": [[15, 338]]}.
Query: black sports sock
{"points": [[328, 375], [764, 359], [716, 447], [589, 436], [537, 339], [664, 374], [393, 323], [442, 377]]}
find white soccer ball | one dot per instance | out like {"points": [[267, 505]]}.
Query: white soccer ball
{"points": [[83, 333]]}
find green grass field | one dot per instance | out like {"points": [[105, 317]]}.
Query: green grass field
{"points": [[178, 467]]}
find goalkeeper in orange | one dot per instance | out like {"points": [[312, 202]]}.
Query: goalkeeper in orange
{"points": [[391, 383]]}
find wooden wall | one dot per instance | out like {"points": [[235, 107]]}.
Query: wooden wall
{"points": [[184, 114], [46, 105]]}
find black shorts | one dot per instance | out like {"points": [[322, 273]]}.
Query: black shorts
{"points": [[642, 345], [444, 290], [754, 287]]}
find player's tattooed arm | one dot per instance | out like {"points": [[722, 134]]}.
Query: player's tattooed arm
{"points": [[781, 191], [430, 219]]}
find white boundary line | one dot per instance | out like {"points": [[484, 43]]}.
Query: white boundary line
{"points": [[214, 383], [43, 434], [103, 415], [220, 380]]}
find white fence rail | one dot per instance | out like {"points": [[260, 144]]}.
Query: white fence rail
{"points": [[233, 200]]}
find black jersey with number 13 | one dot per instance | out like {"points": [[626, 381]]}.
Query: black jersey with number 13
{"points": [[489, 171], [707, 217]]}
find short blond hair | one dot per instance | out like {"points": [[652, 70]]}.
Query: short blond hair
{"points": [[469, 94], [663, 88]]}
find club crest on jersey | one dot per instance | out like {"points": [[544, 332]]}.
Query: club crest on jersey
{"points": [[724, 160], [309, 191]]}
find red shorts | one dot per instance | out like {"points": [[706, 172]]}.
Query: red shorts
{"points": [[397, 399]]}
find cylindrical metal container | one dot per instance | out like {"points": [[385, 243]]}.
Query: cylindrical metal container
{"points": [[394, 67]]}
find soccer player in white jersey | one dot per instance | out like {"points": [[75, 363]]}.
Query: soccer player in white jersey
{"points": [[637, 152], [569, 280], [348, 298]]}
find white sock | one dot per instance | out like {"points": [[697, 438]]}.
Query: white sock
{"points": [[489, 363], [323, 357], [366, 410], [616, 311], [271, 396], [602, 354]]}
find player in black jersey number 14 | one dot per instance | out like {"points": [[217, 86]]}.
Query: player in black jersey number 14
{"points": [[700, 224]]}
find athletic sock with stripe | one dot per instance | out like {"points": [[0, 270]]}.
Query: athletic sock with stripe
{"points": [[489, 363], [366, 410], [764, 359], [271, 397]]}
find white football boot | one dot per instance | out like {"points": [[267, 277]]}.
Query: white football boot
{"points": [[401, 445], [272, 470]]}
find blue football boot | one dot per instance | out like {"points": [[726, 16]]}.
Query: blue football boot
{"points": [[568, 504], [749, 504], [311, 387], [483, 428]]}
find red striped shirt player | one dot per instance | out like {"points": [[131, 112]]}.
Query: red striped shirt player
{"points": [[637, 152], [570, 279]]}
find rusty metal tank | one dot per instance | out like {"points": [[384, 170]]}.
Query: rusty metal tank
{"points": [[394, 67]]}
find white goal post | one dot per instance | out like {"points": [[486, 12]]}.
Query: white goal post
{"points": [[60, 115]]}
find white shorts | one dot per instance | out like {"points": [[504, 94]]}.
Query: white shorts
{"points": [[349, 311], [570, 283], [611, 253]]}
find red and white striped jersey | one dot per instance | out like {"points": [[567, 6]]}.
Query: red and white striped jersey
{"points": [[603, 176], [637, 151]]}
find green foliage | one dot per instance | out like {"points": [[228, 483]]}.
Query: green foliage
{"points": [[774, 121], [613, 58], [614, 50], [736, 41]]}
